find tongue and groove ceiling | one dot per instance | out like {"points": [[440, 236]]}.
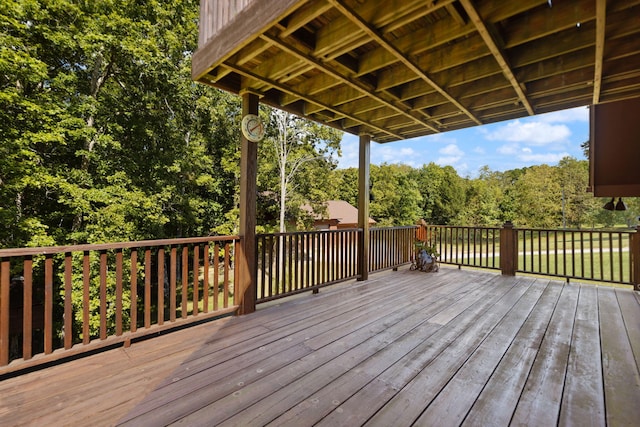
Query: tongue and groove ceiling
{"points": [[407, 68]]}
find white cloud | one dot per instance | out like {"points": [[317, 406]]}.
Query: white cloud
{"points": [[508, 149], [542, 158], [531, 133], [450, 155], [451, 149], [393, 153], [479, 150], [580, 114]]}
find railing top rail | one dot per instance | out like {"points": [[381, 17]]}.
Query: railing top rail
{"points": [[469, 227], [49, 250], [400, 227], [578, 230], [293, 233], [341, 230]]}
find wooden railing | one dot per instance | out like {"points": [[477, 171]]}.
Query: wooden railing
{"points": [[290, 263], [390, 247], [57, 302], [590, 255], [603, 256], [465, 246]]}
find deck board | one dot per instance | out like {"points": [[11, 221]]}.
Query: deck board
{"points": [[403, 348], [496, 403], [621, 386]]}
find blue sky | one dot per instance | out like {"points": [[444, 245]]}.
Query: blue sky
{"points": [[541, 139]]}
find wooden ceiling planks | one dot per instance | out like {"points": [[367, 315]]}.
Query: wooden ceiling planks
{"points": [[399, 69]]}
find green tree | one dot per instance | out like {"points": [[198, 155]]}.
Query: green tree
{"points": [[396, 197], [482, 204], [576, 201], [103, 135], [296, 160], [443, 193], [539, 198]]}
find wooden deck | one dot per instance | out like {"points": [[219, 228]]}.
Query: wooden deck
{"points": [[404, 348]]}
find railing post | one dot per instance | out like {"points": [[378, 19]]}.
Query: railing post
{"points": [[635, 258], [508, 250], [363, 207]]}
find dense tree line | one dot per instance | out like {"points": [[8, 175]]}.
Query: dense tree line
{"points": [[104, 137], [539, 196]]}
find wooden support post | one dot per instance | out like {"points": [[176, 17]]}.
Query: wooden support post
{"points": [[635, 259], [363, 207], [246, 257], [508, 250]]}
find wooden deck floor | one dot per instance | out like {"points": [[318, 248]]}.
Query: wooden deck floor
{"points": [[404, 348]]}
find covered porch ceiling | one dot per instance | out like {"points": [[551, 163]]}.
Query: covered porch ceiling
{"points": [[399, 69]]}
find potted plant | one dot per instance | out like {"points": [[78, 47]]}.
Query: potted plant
{"points": [[426, 258]]}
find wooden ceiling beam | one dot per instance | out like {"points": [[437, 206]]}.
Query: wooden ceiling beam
{"points": [[354, 83], [313, 85], [465, 51], [545, 21], [339, 96], [378, 38], [457, 16], [495, 11], [601, 11], [249, 74], [304, 15], [438, 34], [496, 52]]}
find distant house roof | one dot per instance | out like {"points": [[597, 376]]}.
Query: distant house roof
{"points": [[339, 211]]}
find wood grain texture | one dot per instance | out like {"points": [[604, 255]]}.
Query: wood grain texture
{"points": [[404, 69], [455, 347]]}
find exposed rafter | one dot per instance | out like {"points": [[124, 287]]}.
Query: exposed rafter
{"points": [[601, 10], [407, 68], [400, 56], [497, 53], [356, 84], [249, 74]]}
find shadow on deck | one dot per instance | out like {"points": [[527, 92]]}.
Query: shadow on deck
{"points": [[450, 348]]}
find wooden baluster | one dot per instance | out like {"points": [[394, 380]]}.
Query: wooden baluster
{"points": [[147, 288], [185, 281], [119, 287], [216, 275], [48, 304], [226, 275], [134, 291], [68, 304], [205, 278], [103, 295], [196, 279], [173, 266], [27, 315], [160, 285]]}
